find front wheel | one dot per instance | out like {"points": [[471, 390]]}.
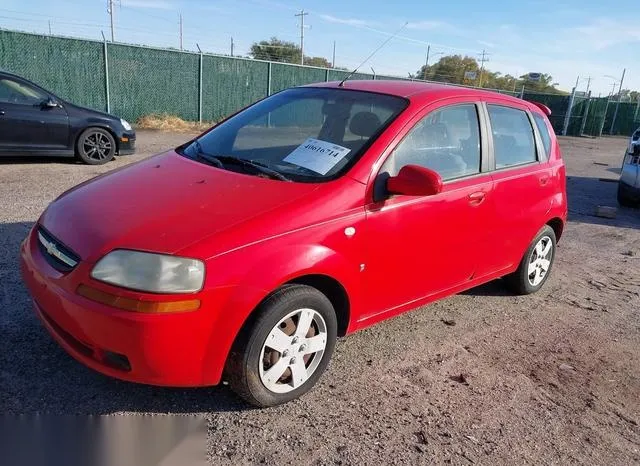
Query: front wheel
{"points": [[282, 352], [535, 267], [95, 146]]}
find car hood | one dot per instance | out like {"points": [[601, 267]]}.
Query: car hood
{"points": [[162, 204], [77, 109]]}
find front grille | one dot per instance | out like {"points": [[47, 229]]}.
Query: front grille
{"points": [[59, 256]]}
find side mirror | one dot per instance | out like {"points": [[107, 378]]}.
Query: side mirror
{"points": [[50, 103], [414, 180]]}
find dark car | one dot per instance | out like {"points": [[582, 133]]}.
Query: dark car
{"points": [[34, 121]]}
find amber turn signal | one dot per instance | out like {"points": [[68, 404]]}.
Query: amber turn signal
{"points": [[136, 305]]}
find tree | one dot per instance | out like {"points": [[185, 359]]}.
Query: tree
{"points": [[452, 69], [275, 49], [627, 95], [317, 61]]}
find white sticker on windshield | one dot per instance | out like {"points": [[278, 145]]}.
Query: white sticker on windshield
{"points": [[319, 156]]}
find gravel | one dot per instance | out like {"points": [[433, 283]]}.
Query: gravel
{"points": [[481, 377]]}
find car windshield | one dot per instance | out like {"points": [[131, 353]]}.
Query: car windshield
{"points": [[302, 134]]}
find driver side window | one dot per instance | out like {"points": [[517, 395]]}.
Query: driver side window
{"points": [[446, 141], [14, 92]]}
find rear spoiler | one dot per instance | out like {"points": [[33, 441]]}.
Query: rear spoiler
{"points": [[543, 107]]}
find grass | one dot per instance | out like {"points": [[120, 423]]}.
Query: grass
{"points": [[164, 122]]}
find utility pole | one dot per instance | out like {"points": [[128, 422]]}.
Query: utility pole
{"points": [[180, 31], [588, 84], [482, 62], [110, 11], [615, 112], [232, 46], [333, 60], [49, 27], [302, 14]]}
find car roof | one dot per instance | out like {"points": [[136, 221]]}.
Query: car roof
{"points": [[417, 90]]}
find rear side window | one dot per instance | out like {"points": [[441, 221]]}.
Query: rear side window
{"points": [[513, 141], [544, 132]]}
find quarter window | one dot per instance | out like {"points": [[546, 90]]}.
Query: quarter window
{"points": [[544, 132], [513, 141], [446, 141]]}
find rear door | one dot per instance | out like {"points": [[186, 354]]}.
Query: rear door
{"points": [[523, 187], [25, 123], [421, 245]]}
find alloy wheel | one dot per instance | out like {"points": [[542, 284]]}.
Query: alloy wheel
{"points": [[97, 146], [293, 350], [540, 261]]}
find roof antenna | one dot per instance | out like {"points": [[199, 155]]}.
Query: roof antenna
{"points": [[374, 52]]}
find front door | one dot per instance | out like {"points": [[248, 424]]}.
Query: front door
{"points": [[26, 124], [419, 246]]}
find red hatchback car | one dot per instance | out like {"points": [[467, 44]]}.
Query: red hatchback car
{"points": [[316, 212]]}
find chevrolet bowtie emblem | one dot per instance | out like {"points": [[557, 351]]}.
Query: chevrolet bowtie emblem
{"points": [[53, 250]]}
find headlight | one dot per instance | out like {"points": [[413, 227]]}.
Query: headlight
{"points": [[125, 124], [144, 271]]}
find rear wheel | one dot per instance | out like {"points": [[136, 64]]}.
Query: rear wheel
{"points": [[535, 267], [283, 352], [96, 146]]}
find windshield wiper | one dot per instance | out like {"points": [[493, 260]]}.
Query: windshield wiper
{"points": [[249, 163], [201, 154]]}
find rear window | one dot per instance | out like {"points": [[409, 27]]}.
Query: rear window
{"points": [[544, 132]]}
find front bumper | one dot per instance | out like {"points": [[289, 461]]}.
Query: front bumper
{"points": [[165, 350], [127, 143]]}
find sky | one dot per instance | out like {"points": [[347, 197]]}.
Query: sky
{"points": [[569, 39]]}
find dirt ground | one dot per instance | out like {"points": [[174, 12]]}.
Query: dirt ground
{"points": [[548, 378]]}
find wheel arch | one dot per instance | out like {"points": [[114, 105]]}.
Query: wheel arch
{"points": [[557, 225], [334, 291]]}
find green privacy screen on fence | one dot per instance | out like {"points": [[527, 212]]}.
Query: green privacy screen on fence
{"points": [[229, 84], [145, 80], [72, 69]]}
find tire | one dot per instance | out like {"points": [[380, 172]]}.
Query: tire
{"points": [[95, 146], [522, 281], [623, 199], [251, 357]]}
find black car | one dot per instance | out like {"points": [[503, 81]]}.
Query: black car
{"points": [[33, 121]]}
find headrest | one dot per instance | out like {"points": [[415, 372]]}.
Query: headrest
{"points": [[364, 124]]}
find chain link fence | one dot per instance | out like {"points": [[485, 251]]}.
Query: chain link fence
{"points": [[133, 81]]}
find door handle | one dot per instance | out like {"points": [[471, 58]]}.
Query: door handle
{"points": [[544, 180], [1, 112], [476, 198]]}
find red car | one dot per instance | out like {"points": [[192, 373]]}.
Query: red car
{"points": [[316, 212]]}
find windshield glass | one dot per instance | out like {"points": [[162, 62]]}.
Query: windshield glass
{"points": [[304, 134]]}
